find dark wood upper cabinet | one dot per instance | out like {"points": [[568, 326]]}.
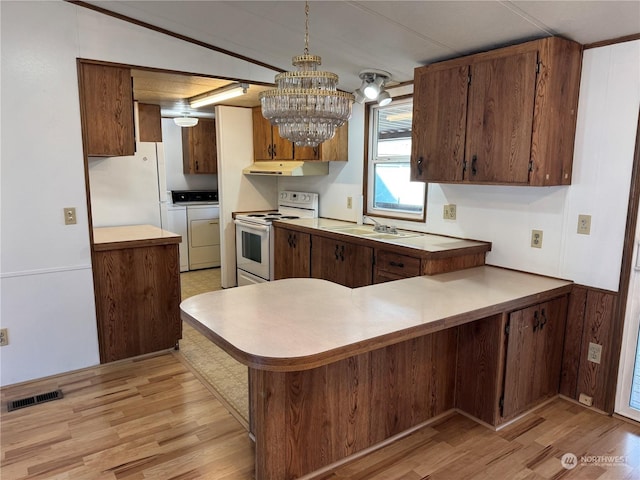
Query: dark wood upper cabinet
{"points": [[106, 102], [505, 116], [199, 153], [267, 142], [149, 122]]}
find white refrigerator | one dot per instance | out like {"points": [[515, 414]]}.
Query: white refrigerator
{"points": [[129, 190]]}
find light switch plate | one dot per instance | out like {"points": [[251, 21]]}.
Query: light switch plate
{"points": [[584, 224]]}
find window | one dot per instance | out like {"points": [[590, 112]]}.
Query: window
{"points": [[390, 193]]}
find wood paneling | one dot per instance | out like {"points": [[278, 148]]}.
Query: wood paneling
{"points": [[335, 149], [149, 122], [346, 406], [593, 377], [573, 342], [479, 367], [433, 266], [137, 300], [106, 102]]}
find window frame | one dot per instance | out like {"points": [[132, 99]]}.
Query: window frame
{"points": [[370, 150]]}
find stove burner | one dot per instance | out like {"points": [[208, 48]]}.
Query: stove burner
{"points": [[256, 215], [288, 217], [272, 218], [275, 214]]}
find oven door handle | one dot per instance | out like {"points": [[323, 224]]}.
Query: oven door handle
{"points": [[252, 226]]}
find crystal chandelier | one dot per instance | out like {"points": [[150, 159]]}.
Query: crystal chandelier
{"points": [[306, 106]]}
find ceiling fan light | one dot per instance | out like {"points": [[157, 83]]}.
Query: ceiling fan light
{"points": [[185, 121], [384, 99]]}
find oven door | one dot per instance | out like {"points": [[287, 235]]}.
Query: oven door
{"points": [[253, 248]]}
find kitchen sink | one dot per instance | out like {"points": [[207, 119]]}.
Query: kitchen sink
{"points": [[369, 232]]}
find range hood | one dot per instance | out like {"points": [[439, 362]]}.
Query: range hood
{"points": [[288, 168]]}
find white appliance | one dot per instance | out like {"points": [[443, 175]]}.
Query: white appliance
{"points": [[254, 235], [177, 223], [202, 227], [129, 190]]}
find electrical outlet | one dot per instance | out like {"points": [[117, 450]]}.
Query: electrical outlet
{"points": [[449, 212], [70, 216], [585, 400], [595, 352], [349, 202], [584, 224], [4, 337], [536, 238]]}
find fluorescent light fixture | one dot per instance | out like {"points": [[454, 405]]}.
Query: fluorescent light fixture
{"points": [[219, 95], [185, 121]]}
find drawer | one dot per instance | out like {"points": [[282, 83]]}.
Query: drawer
{"points": [[401, 265]]}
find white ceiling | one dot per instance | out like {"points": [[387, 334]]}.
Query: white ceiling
{"points": [[395, 36]]}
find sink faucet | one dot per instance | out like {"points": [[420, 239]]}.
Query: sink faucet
{"points": [[379, 227]]}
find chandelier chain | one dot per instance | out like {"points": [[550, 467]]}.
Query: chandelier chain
{"points": [[306, 28]]}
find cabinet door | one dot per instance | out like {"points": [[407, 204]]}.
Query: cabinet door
{"points": [[439, 123], [500, 119], [550, 344], [341, 262], [520, 361], [106, 96], [150, 123], [292, 254], [335, 149], [281, 148], [261, 136], [199, 149]]}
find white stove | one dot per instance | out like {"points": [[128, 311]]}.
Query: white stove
{"points": [[254, 235], [291, 205]]}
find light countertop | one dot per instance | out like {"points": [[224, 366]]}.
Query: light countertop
{"points": [[130, 236], [423, 241], [295, 324]]}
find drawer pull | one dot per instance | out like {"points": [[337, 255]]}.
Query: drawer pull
{"points": [[397, 264]]}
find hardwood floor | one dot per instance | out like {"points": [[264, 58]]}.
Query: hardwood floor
{"points": [[151, 418]]}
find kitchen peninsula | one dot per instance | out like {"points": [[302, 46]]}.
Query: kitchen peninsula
{"points": [[335, 370], [136, 274]]}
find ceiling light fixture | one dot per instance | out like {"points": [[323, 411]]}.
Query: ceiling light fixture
{"points": [[306, 105], [185, 121], [372, 88], [218, 95]]}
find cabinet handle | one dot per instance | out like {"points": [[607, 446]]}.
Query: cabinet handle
{"points": [[274, 151], [474, 165], [536, 321], [336, 252], [197, 168], [397, 264], [544, 319], [291, 240], [342, 252], [419, 164], [269, 151]]}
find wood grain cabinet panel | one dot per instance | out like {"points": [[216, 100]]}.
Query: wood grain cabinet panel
{"points": [[341, 262], [106, 102], [267, 142], [150, 122], [199, 150], [534, 345], [137, 300], [394, 266], [513, 124], [292, 254]]}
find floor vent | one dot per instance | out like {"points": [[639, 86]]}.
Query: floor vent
{"points": [[29, 401]]}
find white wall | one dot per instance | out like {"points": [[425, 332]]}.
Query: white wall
{"points": [[46, 285], [505, 216]]}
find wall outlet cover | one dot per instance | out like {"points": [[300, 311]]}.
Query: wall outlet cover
{"points": [[449, 212], [584, 224], [586, 400], [536, 238], [4, 337]]}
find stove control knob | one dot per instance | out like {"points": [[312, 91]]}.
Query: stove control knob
{"points": [[283, 195]]}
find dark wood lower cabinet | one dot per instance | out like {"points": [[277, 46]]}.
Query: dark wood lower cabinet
{"points": [[340, 262], [510, 362], [293, 251], [137, 300]]}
